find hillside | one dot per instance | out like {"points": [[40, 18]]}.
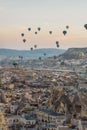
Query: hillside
{"points": [[74, 53], [49, 52]]}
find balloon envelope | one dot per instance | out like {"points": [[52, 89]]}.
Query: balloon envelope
{"points": [[22, 34], [31, 48], [14, 64], [40, 58], [64, 32], [50, 32], [21, 57], [35, 46], [35, 32], [39, 28], [57, 42], [57, 46], [44, 54], [29, 29], [67, 27], [24, 40], [85, 26], [81, 55]]}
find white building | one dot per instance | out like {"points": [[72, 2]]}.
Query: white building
{"points": [[21, 122]]}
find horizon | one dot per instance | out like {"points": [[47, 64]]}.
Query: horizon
{"points": [[41, 49], [17, 16], [30, 50]]}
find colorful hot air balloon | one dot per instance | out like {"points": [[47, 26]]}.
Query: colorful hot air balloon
{"points": [[57, 44], [44, 54], [22, 34], [85, 26], [81, 55], [67, 27], [24, 40], [21, 57], [39, 28], [14, 64], [40, 58], [50, 32], [35, 32], [31, 48], [64, 32], [35, 46], [29, 29]]}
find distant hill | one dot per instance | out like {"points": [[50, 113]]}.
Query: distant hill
{"points": [[31, 54], [73, 53]]}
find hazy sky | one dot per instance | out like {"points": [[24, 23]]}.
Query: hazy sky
{"points": [[17, 15]]}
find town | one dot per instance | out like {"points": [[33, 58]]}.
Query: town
{"points": [[51, 95]]}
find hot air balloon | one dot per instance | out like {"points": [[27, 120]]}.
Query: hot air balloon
{"points": [[85, 26], [50, 32], [31, 48], [40, 58], [57, 45], [22, 34], [57, 42], [21, 57], [14, 64], [39, 28], [44, 54], [64, 32], [81, 55], [24, 40], [29, 29], [35, 32], [67, 27], [35, 46]]}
